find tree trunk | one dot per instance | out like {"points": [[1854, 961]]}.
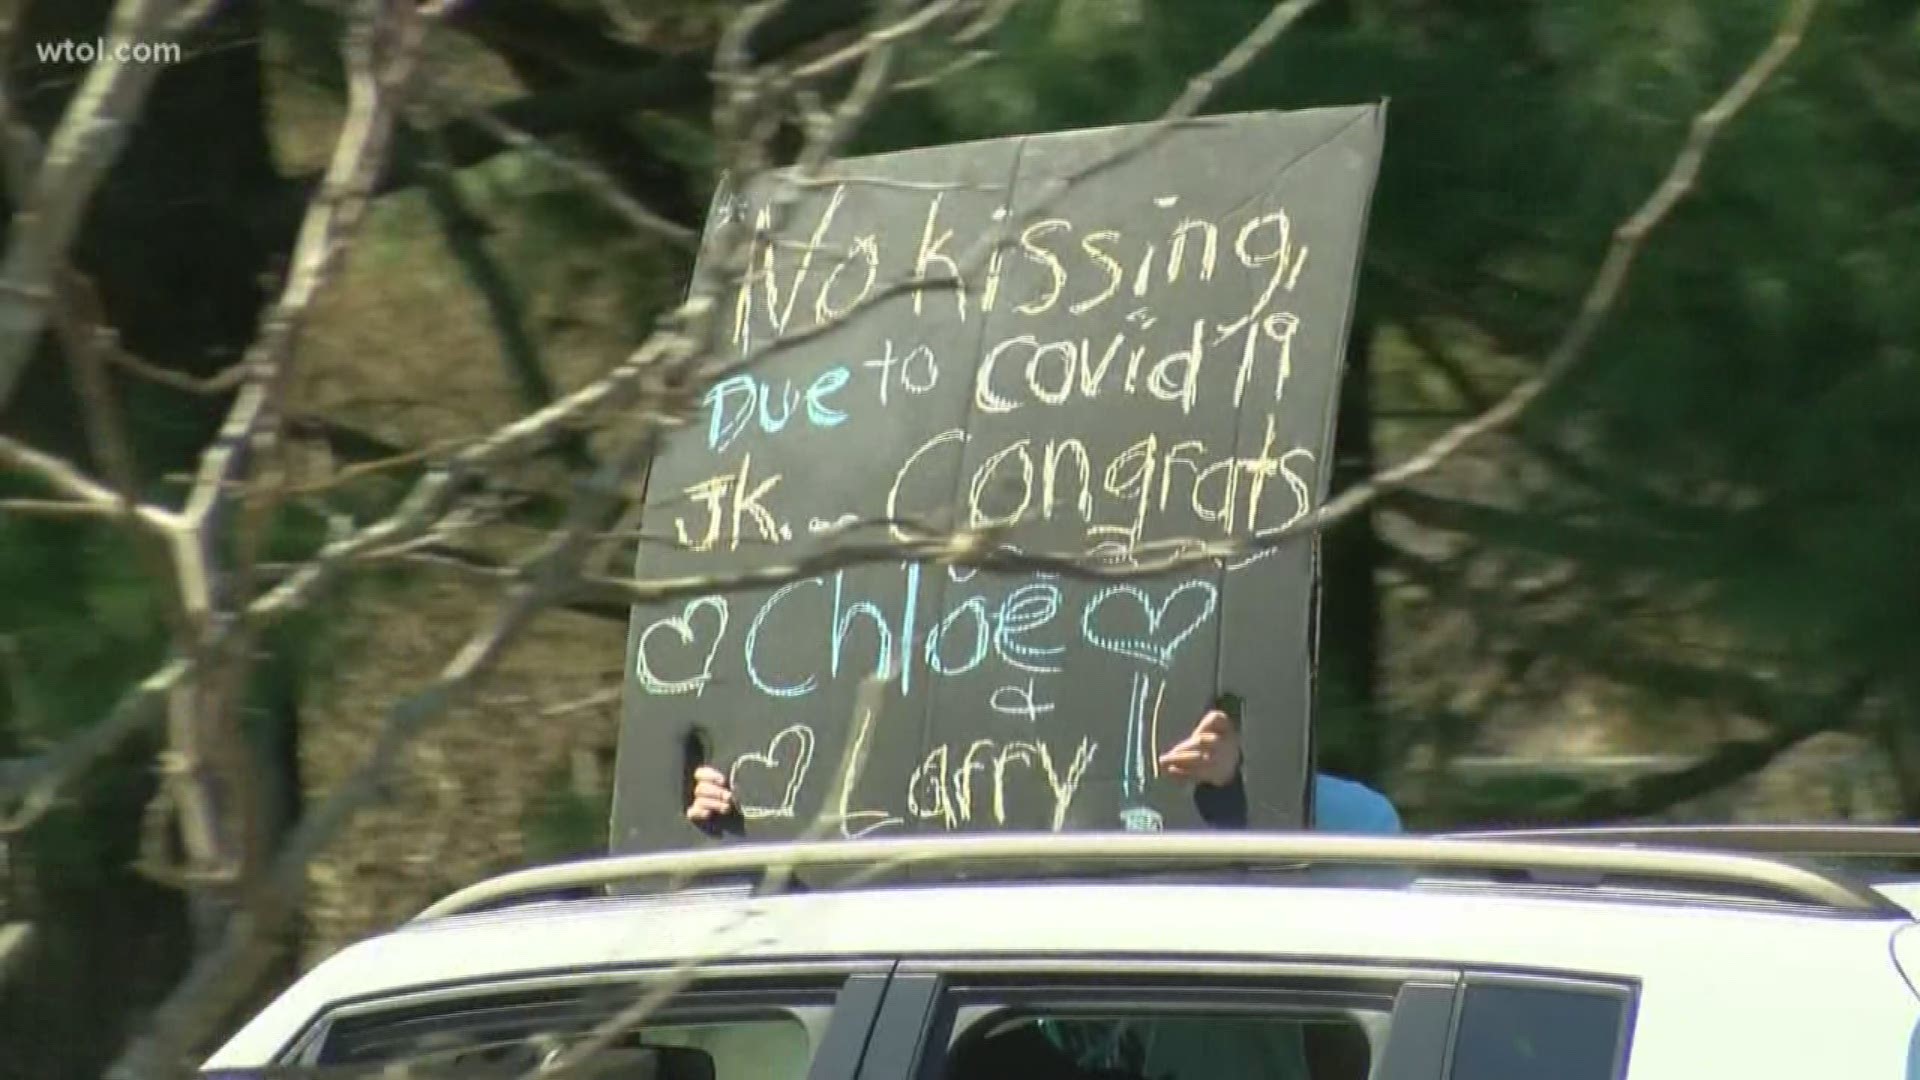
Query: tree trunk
{"points": [[183, 240]]}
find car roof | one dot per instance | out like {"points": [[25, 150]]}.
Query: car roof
{"points": [[1200, 897]]}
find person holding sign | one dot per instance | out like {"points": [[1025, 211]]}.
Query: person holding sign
{"points": [[1181, 1048], [1209, 756]]}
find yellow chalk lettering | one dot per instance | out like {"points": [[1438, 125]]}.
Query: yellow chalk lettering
{"points": [[1064, 788], [1136, 484], [1176, 456], [1260, 468], [1210, 247], [1046, 258], [1263, 467], [1280, 259], [931, 252], [743, 304], [867, 247], [900, 476], [1092, 375], [1143, 275], [1021, 752], [876, 819], [932, 776], [749, 505], [963, 777], [712, 493], [1228, 471], [784, 311], [1176, 377], [1058, 395], [1049, 476], [1278, 328], [984, 398], [1106, 261], [984, 476], [1302, 493]]}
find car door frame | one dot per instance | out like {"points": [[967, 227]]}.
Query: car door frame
{"points": [[838, 1055], [911, 1017], [1428, 1010]]}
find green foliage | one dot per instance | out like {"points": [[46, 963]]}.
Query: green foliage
{"points": [[1739, 444], [1745, 427]]}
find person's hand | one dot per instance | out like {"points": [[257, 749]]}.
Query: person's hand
{"points": [[712, 798], [1211, 755]]}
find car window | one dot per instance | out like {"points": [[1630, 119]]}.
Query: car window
{"points": [[1523, 1031], [726, 1036], [1179, 1025], [1167, 1046]]}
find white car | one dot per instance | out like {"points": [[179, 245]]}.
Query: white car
{"points": [[1206, 956]]}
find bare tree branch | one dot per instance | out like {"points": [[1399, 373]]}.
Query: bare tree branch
{"points": [[38, 785], [80, 324], [590, 178], [1164, 557], [465, 235], [84, 145], [1726, 765], [637, 377], [58, 508], [191, 15], [1608, 283], [210, 782], [64, 478], [16, 941], [545, 578], [382, 63]]}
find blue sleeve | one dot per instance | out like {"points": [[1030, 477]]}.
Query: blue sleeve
{"points": [[1344, 806], [1341, 806]]}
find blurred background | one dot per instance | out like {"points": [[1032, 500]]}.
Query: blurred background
{"points": [[1686, 586]]}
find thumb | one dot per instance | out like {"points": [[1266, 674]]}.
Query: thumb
{"points": [[1215, 722]]}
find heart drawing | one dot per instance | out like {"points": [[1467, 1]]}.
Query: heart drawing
{"points": [[797, 743], [1148, 646], [681, 625]]}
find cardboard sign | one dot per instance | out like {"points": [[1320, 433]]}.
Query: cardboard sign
{"points": [[1083, 341]]}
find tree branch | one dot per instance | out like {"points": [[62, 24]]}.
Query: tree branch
{"points": [[1608, 283], [1731, 763], [210, 988], [1175, 555], [37, 784], [465, 235], [89, 137], [69, 481], [593, 180]]}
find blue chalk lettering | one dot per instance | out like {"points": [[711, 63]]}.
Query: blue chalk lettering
{"points": [[1026, 609], [721, 431], [981, 638], [908, 616], [843, 618], [819, 413], [738, 400], [788, 399], [753, 636], [1132, 771], [1146, 647]]}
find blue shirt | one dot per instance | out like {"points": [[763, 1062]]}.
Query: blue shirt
{"points": [[1181, 1048], [1347, 806]]}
